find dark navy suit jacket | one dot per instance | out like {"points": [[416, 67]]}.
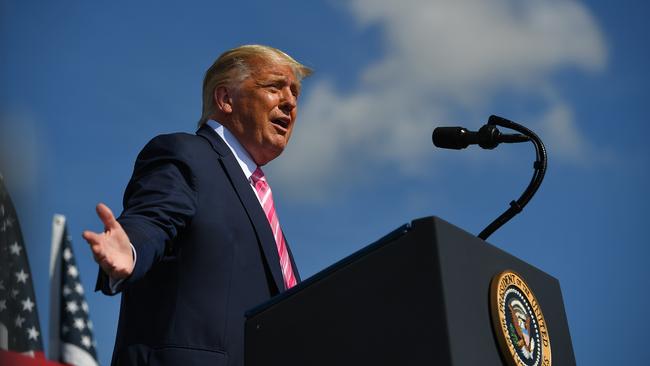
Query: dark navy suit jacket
{"points": [[205, 255]]}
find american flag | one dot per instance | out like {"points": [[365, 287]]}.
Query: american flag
{"points": [[20, 331], [71, 330]]}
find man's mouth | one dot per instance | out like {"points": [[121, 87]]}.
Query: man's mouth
{"points": [[282, 122]]}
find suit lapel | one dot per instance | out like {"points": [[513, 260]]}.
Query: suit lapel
{"points": [[249, 201]]}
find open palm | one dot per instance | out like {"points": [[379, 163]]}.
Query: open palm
{"points": [[111, 248]]}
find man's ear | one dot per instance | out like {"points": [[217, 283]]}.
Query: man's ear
{"points": [[223, 99]]}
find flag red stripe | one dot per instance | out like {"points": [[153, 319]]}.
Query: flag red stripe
{"points": [[18, 359]]}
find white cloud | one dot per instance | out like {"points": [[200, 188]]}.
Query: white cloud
{"points": [[566, 141], [441, 56]]}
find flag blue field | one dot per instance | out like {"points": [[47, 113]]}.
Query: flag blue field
{"points": [[86, 85]]}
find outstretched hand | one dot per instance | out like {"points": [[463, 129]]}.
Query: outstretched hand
{"points": [[112, 248]]}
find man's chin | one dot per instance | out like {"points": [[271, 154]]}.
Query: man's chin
{"points": [[271, 151]]}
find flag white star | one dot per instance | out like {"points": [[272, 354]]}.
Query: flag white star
{"points": [[72, 271], [89, 324], [14, 292], [65, 329], [9, 222], [28, 304], [3, 304], [21, 276], [19, 321], [66, 291], [71, 307], [79, 323], [84, 306], [32, 333], [85, 340], [78, 288], [67, 254], [15, 248]]}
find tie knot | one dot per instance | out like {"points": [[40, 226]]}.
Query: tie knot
{"points": [[258, 175]]}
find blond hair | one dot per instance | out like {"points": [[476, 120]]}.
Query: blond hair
{"points": [[233, 67]]}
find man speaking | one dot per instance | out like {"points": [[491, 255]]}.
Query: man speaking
{"points": [[199, 241]]}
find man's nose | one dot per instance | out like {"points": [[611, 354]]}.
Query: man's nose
{"points": [[289, 101]]}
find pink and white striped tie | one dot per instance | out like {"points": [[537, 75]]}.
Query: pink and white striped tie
{"points": [[266, 198]]}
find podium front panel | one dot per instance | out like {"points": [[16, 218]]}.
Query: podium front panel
{"points": [[418, 296]]}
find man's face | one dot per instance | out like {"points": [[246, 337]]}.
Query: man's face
{"points": [[264, 109]]}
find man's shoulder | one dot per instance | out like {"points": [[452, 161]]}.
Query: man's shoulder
{"points": [[178, 144], [177, 140]]}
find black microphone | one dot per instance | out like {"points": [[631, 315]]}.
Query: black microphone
{"points": [[487, 137]]}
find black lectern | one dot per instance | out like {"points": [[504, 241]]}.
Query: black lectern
{"points": [[418, 296]]}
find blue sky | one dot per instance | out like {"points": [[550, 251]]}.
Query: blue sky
{"points": [[85, 86]]}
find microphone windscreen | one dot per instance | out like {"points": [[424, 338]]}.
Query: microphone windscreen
{"points": [[450, 137]]}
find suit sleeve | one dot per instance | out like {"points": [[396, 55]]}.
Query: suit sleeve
{"points": [[159, 203]]}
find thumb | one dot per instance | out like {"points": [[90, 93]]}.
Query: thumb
{"points": [[106, 215]]}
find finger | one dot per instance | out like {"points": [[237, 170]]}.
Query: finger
{"points": [[97, 247], [95, 244], [106, 265], [99, 255], [92, 238], [106, 215]]}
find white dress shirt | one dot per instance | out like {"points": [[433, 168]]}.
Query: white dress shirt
{"points": [[244, 159]]}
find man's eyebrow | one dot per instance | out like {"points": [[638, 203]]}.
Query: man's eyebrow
{"points": [[273, 78]]}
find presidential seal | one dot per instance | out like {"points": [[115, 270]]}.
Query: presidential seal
{"points": [[518, 322]]}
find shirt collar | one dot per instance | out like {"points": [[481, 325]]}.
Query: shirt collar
{"points": [[244, 159]]}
